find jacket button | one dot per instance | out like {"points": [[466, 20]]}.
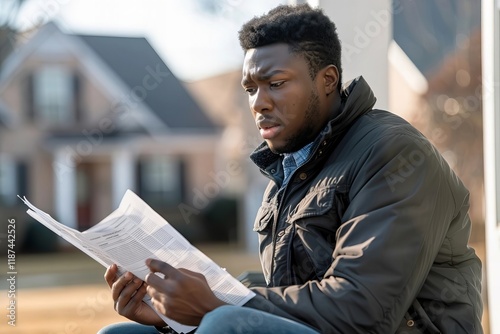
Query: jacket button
{"points": [[273, 171], [303, 176], [410, 323], [320, 152], [324, 142]]}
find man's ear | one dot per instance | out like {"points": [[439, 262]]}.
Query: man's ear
{"points": [[330, 78]]}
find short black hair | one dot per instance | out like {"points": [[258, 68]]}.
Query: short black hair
{"points": [[308, 31]]}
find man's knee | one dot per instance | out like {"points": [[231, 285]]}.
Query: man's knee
{"points": [[222, 313], [128, 328], [110, 329], [231, 319], [223, 319]]}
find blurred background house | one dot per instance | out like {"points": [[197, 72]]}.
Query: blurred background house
{"points": [[86, 117]]}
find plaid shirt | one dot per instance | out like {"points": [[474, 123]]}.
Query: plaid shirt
{"points": [[292, 161]]}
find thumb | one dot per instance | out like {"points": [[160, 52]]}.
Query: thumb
{"points": [[157, 266]]}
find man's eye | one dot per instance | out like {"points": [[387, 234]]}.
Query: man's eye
{"points": [[250, 90], [277, 84]]}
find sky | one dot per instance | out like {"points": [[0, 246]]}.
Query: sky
{"points": [[196, 38]]}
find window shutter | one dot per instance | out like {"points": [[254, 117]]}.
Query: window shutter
{"points": [[138, 178], [77, 97], [30, 96], [182, 179], [22, 179]]}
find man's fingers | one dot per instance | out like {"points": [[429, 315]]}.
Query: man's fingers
{"points": [[118, 286], [126, 298], [139, 294], [158, 266], [110, 274]]}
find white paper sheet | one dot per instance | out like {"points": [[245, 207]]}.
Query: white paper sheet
{"points": [[135, 232]]}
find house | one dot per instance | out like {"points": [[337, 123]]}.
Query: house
{"points": [[83, 118]]}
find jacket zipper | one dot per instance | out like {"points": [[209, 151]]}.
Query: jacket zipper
{"points": [[273, 232], [277, 215], [280, 207]]}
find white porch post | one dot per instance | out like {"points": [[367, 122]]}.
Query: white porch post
{"points": [[256, 185], [490, 34], [122, 174], [65, 187], [365, 32]]}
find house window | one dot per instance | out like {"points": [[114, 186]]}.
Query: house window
{"points": [[8, 181], [161, 180], [53, 95]]}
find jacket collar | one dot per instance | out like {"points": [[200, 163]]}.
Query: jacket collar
{"points": [[357, 100]]}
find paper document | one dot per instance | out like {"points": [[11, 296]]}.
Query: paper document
{"points": [[134, 232]]}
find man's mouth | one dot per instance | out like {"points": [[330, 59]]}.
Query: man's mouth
{"points": [[270, 131]]}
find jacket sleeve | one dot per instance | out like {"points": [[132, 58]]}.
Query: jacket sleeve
{"points": [[401, 204]]}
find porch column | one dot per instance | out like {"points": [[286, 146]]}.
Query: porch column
{"points": [[490, 35], [365, 32], [256, 185], [65, 187], [123, 174]]}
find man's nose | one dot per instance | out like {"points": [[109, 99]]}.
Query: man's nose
{"points": [[261, 101]]}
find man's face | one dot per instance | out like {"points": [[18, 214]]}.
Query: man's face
{"points": [[283, 98]]}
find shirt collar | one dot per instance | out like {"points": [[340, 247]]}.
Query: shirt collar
{"points": [[301, 155]]}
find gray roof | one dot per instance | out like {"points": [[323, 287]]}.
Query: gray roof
{"points": [[429, 30], [132, 59]]}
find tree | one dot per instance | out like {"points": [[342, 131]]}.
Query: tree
{"points": [[9, 10]]}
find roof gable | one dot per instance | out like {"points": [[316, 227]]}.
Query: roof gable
{"points": [[150, 81]]}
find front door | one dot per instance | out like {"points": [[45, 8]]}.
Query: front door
{"points": [[83, 195]]}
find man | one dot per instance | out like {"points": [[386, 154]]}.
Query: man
{"points": [[363, 226]]}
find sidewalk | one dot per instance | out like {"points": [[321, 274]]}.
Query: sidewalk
{"points": [[65, 292]]}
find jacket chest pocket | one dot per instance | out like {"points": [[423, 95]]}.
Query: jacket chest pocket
{"points": [[315, 221], [263, 225], [320, 209], [264, 218]]}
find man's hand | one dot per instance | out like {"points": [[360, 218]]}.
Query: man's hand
{"points": [[182, 295], [127, 292]]}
